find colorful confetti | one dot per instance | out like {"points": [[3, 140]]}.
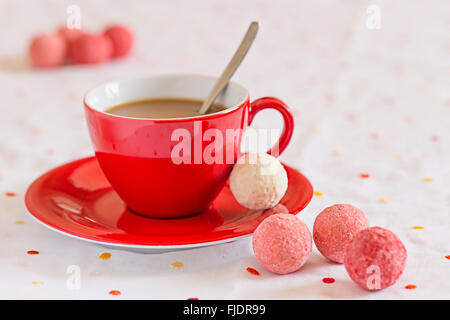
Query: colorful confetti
{"points": [[336, 153], [318, 193], [418, 227], [385, 200], [365, 175], [177, 265], [374, 135], [253, 271], [37, 283], [409, 119], [328, 280], [428, 179], [33, 252], [448, 257], [10, 194], [410, 286], [192, 299], [37, 131], [115, 293], [19, 222], [105, 256]]}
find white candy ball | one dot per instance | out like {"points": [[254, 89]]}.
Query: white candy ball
{"points": [[258, 181]]}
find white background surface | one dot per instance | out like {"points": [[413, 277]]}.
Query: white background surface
{"points": [[365, 101]]}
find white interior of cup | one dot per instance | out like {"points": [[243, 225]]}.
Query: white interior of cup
{"points": [[195, 87]]}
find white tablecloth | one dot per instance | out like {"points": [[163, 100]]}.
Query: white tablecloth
{"points": [[373, 101]]}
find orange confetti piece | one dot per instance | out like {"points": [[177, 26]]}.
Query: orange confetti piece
{"points": [[410, 286], [115, 293], [177, 265], [418, 227], [10, 194], [37, 283], [318, 193], [105, 256], [428, 179], [398, 157], [385, 200], [33, 252], [448, 257], [37, 131], [365, 175], [336, 153], [253, 271], [19, 222]]}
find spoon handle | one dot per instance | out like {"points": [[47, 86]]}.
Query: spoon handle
{"points": [[231, 67]]}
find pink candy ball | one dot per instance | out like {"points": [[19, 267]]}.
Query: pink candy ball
{"points": [[91, 49], [335, 227], [375, 258], [47, 51], [282, 243], [121, 38]]}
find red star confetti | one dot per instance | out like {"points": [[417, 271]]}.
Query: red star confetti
{"points": [[328, 280], [192, 299], [410, 286], [374, 135], [253, 271], [365, 175], [33, 252], [10, 194], [448, 257], [434, 138], [115, 293]]}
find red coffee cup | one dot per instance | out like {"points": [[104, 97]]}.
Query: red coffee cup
{"points": [[170, 168]]}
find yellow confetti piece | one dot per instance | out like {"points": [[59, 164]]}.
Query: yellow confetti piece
{"points": [[318, 193], [105, 256], [336, 153], [418, 227], [19, 222], [177, 265], [38, 283], [385, 200], [428, 179]]}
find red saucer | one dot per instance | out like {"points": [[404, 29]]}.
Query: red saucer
{"points": [[76, 199]]}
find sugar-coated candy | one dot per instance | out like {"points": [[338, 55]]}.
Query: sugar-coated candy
{"points": [[282, 243]]}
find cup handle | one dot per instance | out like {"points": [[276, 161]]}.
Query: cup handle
{"points": [[288, 128]]}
